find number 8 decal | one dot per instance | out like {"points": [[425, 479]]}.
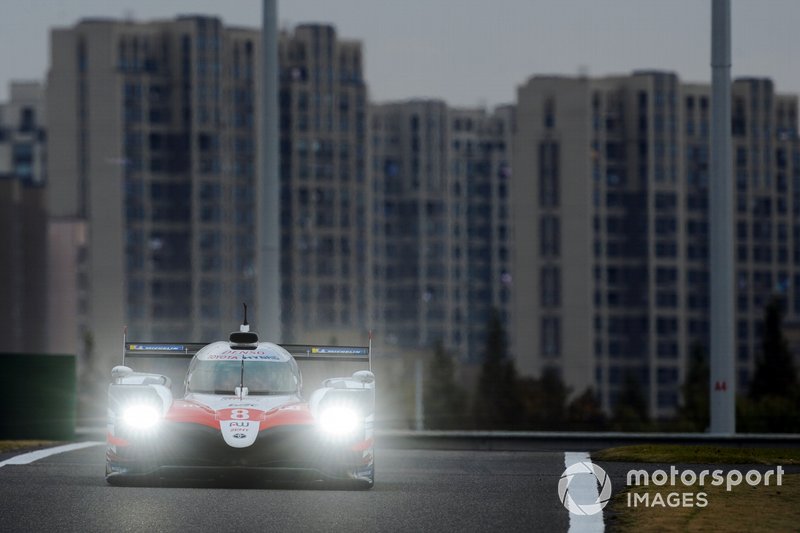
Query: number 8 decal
{"points": [[240, 414]]}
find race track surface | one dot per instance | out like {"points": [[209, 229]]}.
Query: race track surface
{"points": [[415, 490]]}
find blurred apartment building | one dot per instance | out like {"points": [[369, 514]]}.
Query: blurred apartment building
{"points": [[152, 158], [23, 221], [154, 150], [323, 197], [610, 203], [440, 224]]}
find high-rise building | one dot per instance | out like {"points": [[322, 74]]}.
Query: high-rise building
{"points": [[152, 150], [155, 150], [23, 220], [611, 270], [440, 223], [323, 102], [766, 170], [482, 155]]}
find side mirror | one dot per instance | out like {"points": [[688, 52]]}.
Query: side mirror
{"points": [[119, 372], [364, 376]]}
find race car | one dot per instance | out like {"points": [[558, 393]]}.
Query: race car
{"points": [[242, 408]]}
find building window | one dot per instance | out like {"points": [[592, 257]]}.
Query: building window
{"points": [[548, 174], [551, 336], [549, 113], [550, 236], [550, 286]]}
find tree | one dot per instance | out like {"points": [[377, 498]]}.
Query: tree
{"points": [[497, 404], [774, 401], [444, 398], [695, 409], [769, 414], [585, 412], [774, 373], [630, 412], [543, 400]]}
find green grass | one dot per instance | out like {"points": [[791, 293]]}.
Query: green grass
{"points": [[745, 508], [16, 445], [678, 453]]}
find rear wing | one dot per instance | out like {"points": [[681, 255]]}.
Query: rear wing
{"points": [[180, 350], [305, 352], [315, 352], [317, 362]]}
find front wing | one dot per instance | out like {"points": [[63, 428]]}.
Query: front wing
{"points": [[296, 450]]}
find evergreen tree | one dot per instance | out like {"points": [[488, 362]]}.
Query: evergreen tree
{"points": [[630, 412], [543, 400], [695, 409], [774, 373], [554, 394], [585, 412], [774, 401], [444, 398], [497, 404]]}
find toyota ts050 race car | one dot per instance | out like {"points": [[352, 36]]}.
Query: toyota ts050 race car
{"points": [[242, 408]]}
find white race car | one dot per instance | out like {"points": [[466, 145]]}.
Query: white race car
{"points": [[241, 408]]}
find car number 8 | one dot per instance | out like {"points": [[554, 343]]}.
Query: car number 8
{"points": [[240, 414]]}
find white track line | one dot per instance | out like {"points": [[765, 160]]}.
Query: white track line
{"points": [[583, 489], [27, 458]]}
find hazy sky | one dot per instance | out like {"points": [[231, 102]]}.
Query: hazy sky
{"points": [[468, 52]]}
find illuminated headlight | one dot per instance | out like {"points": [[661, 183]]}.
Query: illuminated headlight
{"points": [[338, 421], [141, 416]]}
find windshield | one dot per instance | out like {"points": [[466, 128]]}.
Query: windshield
{"points": [[260, 377]]}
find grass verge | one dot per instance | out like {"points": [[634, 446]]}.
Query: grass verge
{"points": [[15, 445], [744, 508], [678, 453]]}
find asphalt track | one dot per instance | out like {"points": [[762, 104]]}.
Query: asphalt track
{"points": [[415, 490]]}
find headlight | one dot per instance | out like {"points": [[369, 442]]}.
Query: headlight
{"points": [[141, 416], [338, 421]]}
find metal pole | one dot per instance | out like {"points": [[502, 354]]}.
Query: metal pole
{"points": [[419, 414], [723, 377], [268, 284]]}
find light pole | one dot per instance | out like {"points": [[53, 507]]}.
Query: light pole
{"points": [[723, 377], [268, 285]]}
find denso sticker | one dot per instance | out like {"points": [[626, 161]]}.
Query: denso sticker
{"points": [[231, 355]]}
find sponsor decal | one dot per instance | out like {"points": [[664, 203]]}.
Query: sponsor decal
{"points": [[239, 432], [234, 398], [338, 350], [157, 348], [232, 355]]}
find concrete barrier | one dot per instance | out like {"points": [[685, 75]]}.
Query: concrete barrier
{"points": [[539, 440], [566, 440]]}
